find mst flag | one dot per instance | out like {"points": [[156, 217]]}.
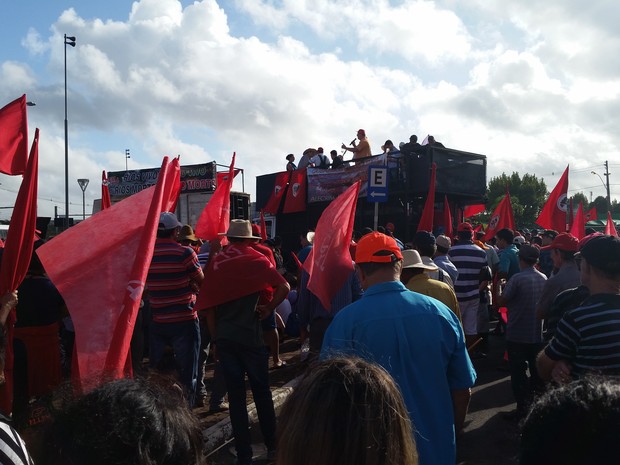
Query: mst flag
{"points": [[471, 210], [103, 300], [16, 258], [215, 217], [553, 214], [295, 200], [329, 263], [592, 214], [501, 218], [105, 191], [426, 221], [610, 227], [279, 188], [578, 227], [14, 137], [223, 176]]}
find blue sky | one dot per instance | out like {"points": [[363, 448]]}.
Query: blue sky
{"points": [[532, 86]]}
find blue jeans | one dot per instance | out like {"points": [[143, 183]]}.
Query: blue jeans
{"points": [[218, 388], [184, 338], [522, 358], [237, 360]]}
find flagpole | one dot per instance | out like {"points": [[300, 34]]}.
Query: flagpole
{"points": [[68, 41]]}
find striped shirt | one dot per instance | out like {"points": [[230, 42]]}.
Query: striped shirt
{"points": [[521, 293], [12, 448], [469, 259], [170, 293], [588, 336]]}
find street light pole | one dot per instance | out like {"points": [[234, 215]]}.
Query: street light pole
{"points": [[605, 185], [83, 184], [68, 41], [127, 157]]}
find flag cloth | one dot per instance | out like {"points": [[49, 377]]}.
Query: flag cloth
{"points": [[297, 262], [553, 214], [295, 200], [426, 221], [215, 217], [263, 227], [592, 214], [104, 300], [279, 188], [222, 281], [172, 186], [223, 175], [329, 263], [14, 137], [501, 218], [570, 213], [105, 191], [610, 227], [471, 210], [578, 228], [16, 258], [447, 217]]}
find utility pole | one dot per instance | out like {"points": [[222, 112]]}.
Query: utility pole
{"points": [[607, 185]]}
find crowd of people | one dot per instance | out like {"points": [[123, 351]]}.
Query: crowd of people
{"points": [[389, 362]]}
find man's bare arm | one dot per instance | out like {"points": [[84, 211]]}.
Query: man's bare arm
{"points": [[460, 403]]}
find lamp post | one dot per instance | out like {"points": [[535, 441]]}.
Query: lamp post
{"points": [[605, 185], [127, 157], [68, 41], [83, 184]]}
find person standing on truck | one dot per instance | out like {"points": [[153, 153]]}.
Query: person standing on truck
{"points": [[363, 149]]}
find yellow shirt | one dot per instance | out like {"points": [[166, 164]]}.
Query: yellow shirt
{"points": [[422, 284], [363, 150]]}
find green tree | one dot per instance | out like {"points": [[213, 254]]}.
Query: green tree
{"points": [[600, 203], [580, 197], [527, 196]]}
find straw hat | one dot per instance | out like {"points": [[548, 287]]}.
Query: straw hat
{"points": [[412, 259], [187, 234], [240, 229]]}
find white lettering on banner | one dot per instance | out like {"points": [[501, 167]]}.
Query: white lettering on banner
{"points": [[135, 289], [230, 253]]}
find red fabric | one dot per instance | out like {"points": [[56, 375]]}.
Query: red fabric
{"points": [[610, 227], [16, 257], [592, 215], [426, 221], [223, 176], [14, 137], [570, 213], [279, 188], [297, 262], [215, 217], [447, 217], [553, 214], [100, 268], [263, 226], [578, 228], [501, 218], [329, 263], [223, 281], [471, 210], [105, 192], [295, 200]]}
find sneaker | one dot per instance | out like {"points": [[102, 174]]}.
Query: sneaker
{"points": [[219, 408]]}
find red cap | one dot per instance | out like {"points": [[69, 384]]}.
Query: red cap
{"points": [[255, 229], [564, 241], [465, 227], [377, 248], [362, 132]]}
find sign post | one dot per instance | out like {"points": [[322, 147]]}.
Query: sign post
{"points": [[377, 190]]}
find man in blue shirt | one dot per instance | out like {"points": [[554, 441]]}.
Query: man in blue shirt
{"points": [[417, 339], [508, 258]]}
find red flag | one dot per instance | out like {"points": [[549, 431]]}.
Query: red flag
{"points": [[501, 218], [16, 257], [329, 263], [105, 192], [570, 213], [426, 221], [592, 214], [610, 227], [223, 175], [172, 186], [263, 227], [553, 214], [215, 217], [471, 210], [447, 217], [279, 188], [578, 228], [14, 137], [295, 200], [103, 300], [297, 262]]}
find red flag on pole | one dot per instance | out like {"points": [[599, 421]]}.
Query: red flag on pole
{"points": [[263, 227], [14, 137], [447, 217], [279, 188], [172, 186], [610, 227], [501, 218], [578, 228], [471, 210], [295, 200], [570, 214], [215, 217], [16, 257], [426, 221], [329, 263], [553, 214], [105, 191], [592, 214], [103, 300], [223, 175]]}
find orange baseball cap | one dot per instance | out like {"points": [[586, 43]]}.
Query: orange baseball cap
{"points": [[377, 248]]}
